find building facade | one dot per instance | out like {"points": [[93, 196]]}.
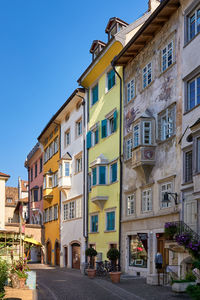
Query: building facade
{"points": [[104, 147], [10, 204], [70, 180], [34, 165], [152, 131], [50, 140], [3, 179]]}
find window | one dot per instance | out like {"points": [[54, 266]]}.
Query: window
{"points": [[167, 56], [72, 210], [110, 79], [67, 137], [79, 164], [55, 212], [166, 187], [166, 124], [95, 95], [147, 75], [146, 133], [113, 172], [94, 223], [50, 213], [50, 185], [109, 125], [193, 97], [130, 90], [46, 155], [35, 195], [9, 200], [94, 176], [136, 135], [146, 200], [188, 166], [51, 150], [55, 179], [131, 204], [55, 145], [79, 128], [41, 163], [41, 193], [89, 183], [110, 220], [95, 136], [31, 174], [45, 183], [128, 144], [102, 175], [46, 215], [67, 170], [193, 23], [35, 169], [10, 220], [138, 250], [66, 211]]}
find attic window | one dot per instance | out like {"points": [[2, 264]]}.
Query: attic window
{"points": [[78, 105], [67, 117], [114, 29]]}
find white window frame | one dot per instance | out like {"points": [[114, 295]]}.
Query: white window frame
{"points": [[93, 215], [130, 90], [167, 128], [109, 128], [55, 179], [150, 132], [147, 204], [79, 127], [145, 74], [67, 137], [168, 51], [194, 12], [130, 201], [55, 145], [166, 204], [138, 135], [93, 136], [98, 175], [188, 92], [55, 212], [66, 211], [128, 148], [77, 164]]}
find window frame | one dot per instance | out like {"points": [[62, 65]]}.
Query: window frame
{"points": [[92, 94], [107, 80], [66, 137], [130, 199], [146, 205], [130, 89], [111, 174], [79, 158], [169, 204], [186, 177], [192, 10], [108, 212], [128, 148], [79, 121], [164, 134], [188, 97], [167, 56], [145, 74], [91, 224]]}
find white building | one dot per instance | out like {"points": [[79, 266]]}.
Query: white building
{"points": [[70, 181], [3, 179]]}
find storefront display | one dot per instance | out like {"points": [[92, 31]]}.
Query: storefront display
{"points": [[138, 250]]}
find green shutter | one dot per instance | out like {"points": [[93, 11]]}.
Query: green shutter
{"points": [[104, 128], [115, 120], [89, 139]]}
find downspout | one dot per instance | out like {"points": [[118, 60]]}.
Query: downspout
{"points": [[120, 158], [85, 206]]}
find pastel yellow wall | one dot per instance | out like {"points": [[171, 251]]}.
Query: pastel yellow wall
{"points": [[52, 228], [109, 147]]}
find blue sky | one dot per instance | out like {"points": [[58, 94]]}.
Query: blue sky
{"points": [[44, 48]]}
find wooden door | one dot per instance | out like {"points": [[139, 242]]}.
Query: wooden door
{"points": [[48, 253], [57, 253], [190, 211], [76, 256], [162, 250], [66, 256]]}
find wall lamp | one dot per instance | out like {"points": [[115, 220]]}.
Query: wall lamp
{"points": [[167, 200]]}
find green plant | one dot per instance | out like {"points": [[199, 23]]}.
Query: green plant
{"points": [[3, 274], [193, 291], [190, 276], [113, 254], [91, 253], [20, 268], [170, 230], [196, 264]]}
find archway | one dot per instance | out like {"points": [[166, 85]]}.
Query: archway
{"points": [[57, 253], [76, 254], [48, 252]]}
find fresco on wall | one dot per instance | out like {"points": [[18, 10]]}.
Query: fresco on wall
{"points": [[130, 117]]}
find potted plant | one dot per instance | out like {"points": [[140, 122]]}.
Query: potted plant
{"points": [[170, 230], [91, 253], [181, 285], [3, 276], [113, 255], [18, 273]]}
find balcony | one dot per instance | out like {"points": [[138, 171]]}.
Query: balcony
{"points": [[99, 195], [64, 184], [48, 194], [143, 160]]}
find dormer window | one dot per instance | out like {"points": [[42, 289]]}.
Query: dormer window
{"points": [[114, 26], [96, 48]]}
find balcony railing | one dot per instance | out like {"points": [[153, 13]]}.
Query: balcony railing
{"points": [[183, 228], [143, 155]]}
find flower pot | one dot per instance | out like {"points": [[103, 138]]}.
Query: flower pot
{"points": [[115, 276], [14, 281], [22, 282], [91, 273], [180, 287]]}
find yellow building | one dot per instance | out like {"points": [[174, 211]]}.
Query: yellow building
{"points": [[103, 141], [50, 138]]}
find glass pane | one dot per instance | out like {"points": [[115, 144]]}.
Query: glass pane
{"points": [[198, 90], [192, 94], [67, 169], [198, 20], [192, 26], [138, 251], [102, 175], [94, 176]]}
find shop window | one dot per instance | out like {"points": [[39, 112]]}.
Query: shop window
{"points": [[138, 250]]}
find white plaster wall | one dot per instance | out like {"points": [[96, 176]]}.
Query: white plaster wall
{"points": [[2, 203], [72, 230]]}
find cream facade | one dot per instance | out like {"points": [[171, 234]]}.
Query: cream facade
{"points": [[152, 133], [70, 180], [3, 179]]}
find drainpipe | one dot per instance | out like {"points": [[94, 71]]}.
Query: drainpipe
{"points": [[120, 158], [85, 171]]}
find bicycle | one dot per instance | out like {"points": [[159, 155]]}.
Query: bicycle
{"points": [[100, 269]]}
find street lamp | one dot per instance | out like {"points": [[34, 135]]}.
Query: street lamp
{"points": [[166, 197]]}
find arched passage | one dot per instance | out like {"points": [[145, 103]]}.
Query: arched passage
{"points": [[48, 252], [76, 254], [57, 253]]}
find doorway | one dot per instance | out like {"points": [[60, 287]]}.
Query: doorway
{"points": [[48, 252], [161, 248], [76, 251], [66, 256], [57, 254]]}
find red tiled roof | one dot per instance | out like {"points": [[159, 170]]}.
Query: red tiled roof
{"points": [[24, 183], [4, 175]]}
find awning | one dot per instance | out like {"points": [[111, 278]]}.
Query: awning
{"points": [[32, 241]]}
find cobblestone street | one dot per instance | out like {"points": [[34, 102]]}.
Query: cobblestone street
{"points": [[67, 284]]}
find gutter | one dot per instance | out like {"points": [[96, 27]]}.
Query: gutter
{"points": [[120, 160]]}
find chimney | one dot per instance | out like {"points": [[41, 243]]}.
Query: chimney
{"points": [[153, 4]]}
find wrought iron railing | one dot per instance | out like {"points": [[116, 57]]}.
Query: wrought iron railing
{"points": [[183, 228]]}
